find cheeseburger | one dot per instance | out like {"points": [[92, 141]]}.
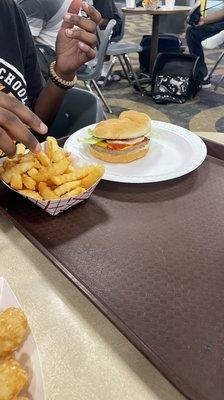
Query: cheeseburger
{"points": [[121, 140]]}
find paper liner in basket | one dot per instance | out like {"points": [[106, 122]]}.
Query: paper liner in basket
{"points": [[55, 207]]}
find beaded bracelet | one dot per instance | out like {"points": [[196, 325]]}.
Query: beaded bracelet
{"points": [[62, 83]]}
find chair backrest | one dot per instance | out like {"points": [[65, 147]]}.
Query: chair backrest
{"points": [[122, 17], [79, 108], [105, 37]]}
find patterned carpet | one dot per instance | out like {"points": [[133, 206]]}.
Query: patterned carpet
{"points": [[204, 113]]}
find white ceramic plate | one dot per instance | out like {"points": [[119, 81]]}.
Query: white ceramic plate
{"points": [[173, 152], [28, 353]]}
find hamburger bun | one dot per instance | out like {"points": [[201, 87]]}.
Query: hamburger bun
{"points": [[116, 156], [129, 125]]}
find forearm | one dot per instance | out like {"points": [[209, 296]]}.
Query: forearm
{"points": [[216, 17], [49, 102], [50, 99]]}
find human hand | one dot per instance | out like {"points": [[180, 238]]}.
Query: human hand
{"points": [[201, 22], [76, 39], [15, 118]]}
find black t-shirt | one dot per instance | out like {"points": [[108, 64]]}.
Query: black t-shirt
{"points": [[108, 10], [19, 70]]}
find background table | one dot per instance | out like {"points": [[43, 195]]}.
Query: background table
{"points": [[155, 25]]}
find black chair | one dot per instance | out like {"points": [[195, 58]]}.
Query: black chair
{"points": [[79, 108]]}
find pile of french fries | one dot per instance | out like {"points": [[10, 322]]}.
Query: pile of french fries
{"points": [[49, 175]]}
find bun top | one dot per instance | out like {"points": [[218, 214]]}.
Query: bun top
{"points": [[130, 124]]}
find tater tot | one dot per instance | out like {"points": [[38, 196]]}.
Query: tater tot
{"points": [[13, 330], [13, 379]]}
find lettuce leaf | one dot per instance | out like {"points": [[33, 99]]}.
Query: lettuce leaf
{"points": [[91, 139]]}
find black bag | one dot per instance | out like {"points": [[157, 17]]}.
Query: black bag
{"points": [[176, 78], [167, 43]]}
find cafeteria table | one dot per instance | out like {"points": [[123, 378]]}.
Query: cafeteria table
{"points": [[156, 14]]}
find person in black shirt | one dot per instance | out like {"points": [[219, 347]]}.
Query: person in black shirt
{"points": [[21, 88], [108, 10]]}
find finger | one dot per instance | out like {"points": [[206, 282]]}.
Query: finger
{"points": [[74, 8], [92, 13], [83, 23], [6, 144], [89, 52], [18, 131], [83, 36], [23, 113]]}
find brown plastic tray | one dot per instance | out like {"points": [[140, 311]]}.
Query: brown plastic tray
{"points": [[151, 258]]}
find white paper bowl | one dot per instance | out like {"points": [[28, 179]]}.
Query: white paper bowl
{"points": [[54, 207], [28, 354]]}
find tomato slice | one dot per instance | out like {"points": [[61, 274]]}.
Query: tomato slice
{"points": [[117, 146]]}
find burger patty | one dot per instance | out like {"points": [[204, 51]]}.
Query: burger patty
{"points": [[144, 143]]}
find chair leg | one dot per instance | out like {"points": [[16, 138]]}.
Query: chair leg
{"points": [[124, 69], [218, 83], [109, 72], [88, 86], [100, 94], [134, 74], [216, 65]]}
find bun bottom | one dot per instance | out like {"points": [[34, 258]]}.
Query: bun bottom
{"points": [[120, 158]]}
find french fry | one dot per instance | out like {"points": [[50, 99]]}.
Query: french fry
{"points": [[70, 169], [33, 171], [93, 177], [20, 148], [75, 192], [17, 169], [28, 182], [46, 192], [58, 156], [53, 170], [43, 158], [16, 181], [67, 187], [27, 157], [78, 173], [30, 193], [51, 146], [37, 163]]}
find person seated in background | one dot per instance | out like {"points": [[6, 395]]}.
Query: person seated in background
{"points": [[214, 42], [44, 18], [21, 85], [195, 34], [108, 10]]}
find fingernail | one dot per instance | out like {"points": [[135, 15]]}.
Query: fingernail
{"points": [[38, 148], [67, 17], [69, 32], [43, 127]]}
